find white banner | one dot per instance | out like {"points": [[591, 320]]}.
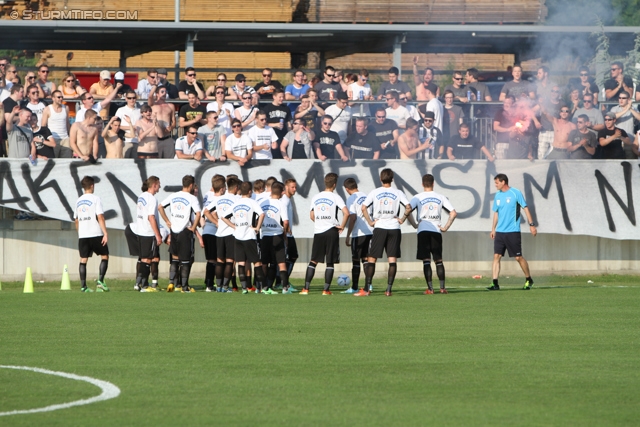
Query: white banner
{"points": [[573, 197]]}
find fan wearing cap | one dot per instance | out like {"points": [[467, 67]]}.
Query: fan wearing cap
{"points": [[172, 90], [611, 139], [102, 88], [190, 85], [119, 100], [241, 87], [431, 133]]}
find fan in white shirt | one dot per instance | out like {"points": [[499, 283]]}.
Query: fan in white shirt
{"points": [[263, 138]]}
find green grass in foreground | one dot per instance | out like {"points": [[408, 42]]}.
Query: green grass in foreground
{"points": [[564, 353]]}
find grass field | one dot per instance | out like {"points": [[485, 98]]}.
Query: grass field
{"points": [[563, 354]]}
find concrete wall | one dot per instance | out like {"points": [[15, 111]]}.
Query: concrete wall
{"points": [[46, 246]]}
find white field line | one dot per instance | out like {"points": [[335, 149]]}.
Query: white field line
{"points": [[109, 391]]}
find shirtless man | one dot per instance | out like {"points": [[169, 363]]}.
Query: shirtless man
{"points": [[84, 137], [562, 127], [148, 128], [166, 114], [113, 141], [427, 78], [409, 143]]}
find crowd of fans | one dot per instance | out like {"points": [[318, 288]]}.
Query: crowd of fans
{"points": [[332, 116]]}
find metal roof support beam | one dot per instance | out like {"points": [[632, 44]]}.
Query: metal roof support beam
{"points": [[122, 62], [397, 52], [188, 50]]}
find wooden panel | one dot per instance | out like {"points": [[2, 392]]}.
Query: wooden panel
{"points": [[437, 61]]}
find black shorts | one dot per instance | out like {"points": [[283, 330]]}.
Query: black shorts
{"points": [[508, 241], [360, 247], [292, 248], [273, 250], [247, 251], [225, 247], [147, 247], [92, 245], [182, 244], [132, 241], [327, 245], [385, 240], [210, 252], [429, 243]]}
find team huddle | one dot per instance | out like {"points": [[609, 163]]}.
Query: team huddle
{"points": [[241, 225]]}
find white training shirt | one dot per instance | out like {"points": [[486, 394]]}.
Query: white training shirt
{"points": [[354, 204], [224, 119], [208, 202], [325, 207], [286, 201], [387, 205], [238, 146], [88, 207], [259, 137], [182, 205], [429, 205], [147, 206], [245, 212], [275, 214], [223, 207]]}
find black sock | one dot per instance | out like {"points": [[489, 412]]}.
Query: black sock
{"points": [[145, 269], [369, 272], [278, 279], [154, 273], [185, 269], [529, 279], [138, 273], [220, 266], [355, 274], [260, 279], [495, 282], [271, 275], [104, 264], [284, 277], [428, 274], [210, 273], [290, 265], [242, 277], [328, 276], [233, 278], [83, 274], [311, 271], [228, 273], [440, 272], [173, 271], [391, 275]]}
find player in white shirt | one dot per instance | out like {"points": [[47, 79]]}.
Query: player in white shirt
{"points": [[143, 236], [290, 188], [218, 188], [92, 233], [429, 205], [247, 220], [225, 242], [387, 205], [273, 238], [325, 207], [263, 138], [183, 226], [358, 234]]}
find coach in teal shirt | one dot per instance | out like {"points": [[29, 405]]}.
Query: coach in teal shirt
{"points": [[505, 230]]}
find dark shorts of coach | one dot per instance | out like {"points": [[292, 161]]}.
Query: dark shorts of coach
{"points": [[225, 247], [292, 248], [360, 247], [210, 246], [92, 245], [429, 243], [508, 241], [385, 240], [327, 245], [247, 251], [273, 250], [182, 245]]}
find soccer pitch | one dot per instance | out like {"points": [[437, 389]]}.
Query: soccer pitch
{"points": [[564, 353]]}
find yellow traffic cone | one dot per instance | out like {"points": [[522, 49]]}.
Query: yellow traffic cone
{"points": [[66, 283], [28, 282]]}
